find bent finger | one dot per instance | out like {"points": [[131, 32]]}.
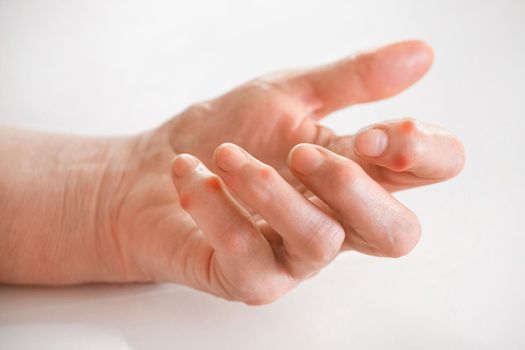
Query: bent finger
{"points": [[311, 238], [227, 227], [375, 222], [404, 153]]}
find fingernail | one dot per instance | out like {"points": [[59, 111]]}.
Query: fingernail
{"points": [[305, 159], [371, 142], [230, 157], [184, 164]]}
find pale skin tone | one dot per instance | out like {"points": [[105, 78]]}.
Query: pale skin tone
{"points": [[242, 196]]}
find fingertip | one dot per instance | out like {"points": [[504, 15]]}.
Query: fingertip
{"points": [[416, 43], [424, 46], [397, 66], [460, 159], [404, 237], [305, 158], [390, 69], [183, 164], [419, 56]]}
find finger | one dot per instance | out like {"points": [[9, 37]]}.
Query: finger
{"points": [[366, 77], [311, 237], [237, 242], [404, 153], [376, 223]]}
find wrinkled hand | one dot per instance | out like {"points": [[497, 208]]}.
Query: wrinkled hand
{"points": [[266, 196]]}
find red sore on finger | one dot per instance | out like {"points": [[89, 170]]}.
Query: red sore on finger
{"points": [[185, 201], [213, 183], [401, 162], [266, 173], [407, 127]]}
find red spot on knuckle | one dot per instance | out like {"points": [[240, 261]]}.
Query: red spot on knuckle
{"points": [[266, 173], [213, 183], [408, 126], [185, 200], [402, 162]]}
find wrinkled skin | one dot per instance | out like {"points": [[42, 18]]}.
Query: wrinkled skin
{"points": [[247, 220]]}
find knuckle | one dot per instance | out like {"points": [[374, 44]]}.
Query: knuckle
{"points": [[265, 83], [233, 242], [199, 108], [410, 148], [234, 238], [345, 174], [211, 182], [326, 242], [323, 253], [267, 92], [405, 159], [185, 199], [275, 85], [273, 96], [265, 177], [267, 174], [408, 125]]}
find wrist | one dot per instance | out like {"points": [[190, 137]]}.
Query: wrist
{"points": [[57, 213]]}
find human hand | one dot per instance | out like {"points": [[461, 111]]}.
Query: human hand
{"points": [[261, 219], [252, 218]]}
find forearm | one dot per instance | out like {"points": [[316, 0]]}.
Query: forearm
{"points": [[54, 191]]}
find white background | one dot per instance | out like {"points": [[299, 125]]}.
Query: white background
{"points": [[109, 67]]}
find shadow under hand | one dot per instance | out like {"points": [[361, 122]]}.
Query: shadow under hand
{"points": [[146, 316], [323, 313]]}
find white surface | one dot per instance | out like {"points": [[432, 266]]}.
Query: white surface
{"points": [[106, 67]]}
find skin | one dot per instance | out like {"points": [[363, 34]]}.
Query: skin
{"points": [[242, 196]]}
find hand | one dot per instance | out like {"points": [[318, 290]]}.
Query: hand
{"points": [[253, 217], [254, 230]]}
